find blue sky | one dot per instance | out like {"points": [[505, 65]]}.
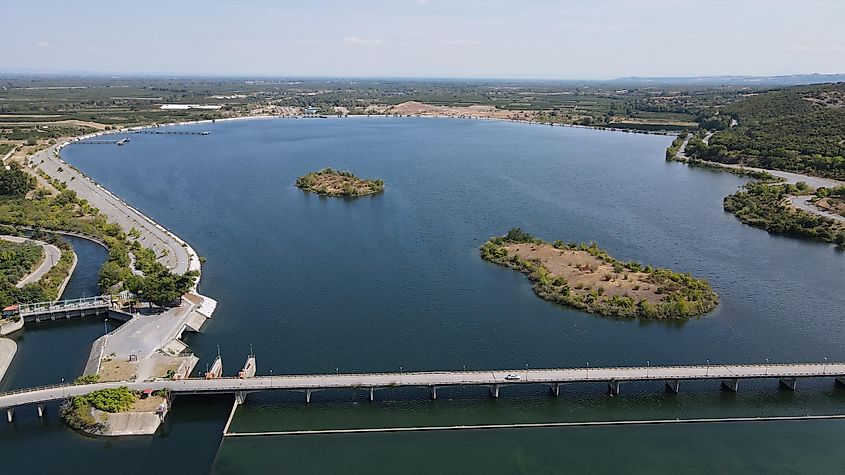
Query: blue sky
{"points": [[563, 39]]}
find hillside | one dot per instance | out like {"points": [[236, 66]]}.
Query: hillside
{"points": [[800, 129]]}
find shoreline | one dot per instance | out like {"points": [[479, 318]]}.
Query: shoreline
{"points": [[143, 335]]}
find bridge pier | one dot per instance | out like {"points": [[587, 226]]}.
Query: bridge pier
{"points": [[240, 397], [494, 390], [40, 410], [434, 393], [10, 413], [788, 383], [307, 396], [555, 389], [731, 384], [372, 394], [840, 381], [673, 385], [613, 386]]}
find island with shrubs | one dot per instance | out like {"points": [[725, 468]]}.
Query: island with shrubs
{"points": [[587, 278], [331, 182]]}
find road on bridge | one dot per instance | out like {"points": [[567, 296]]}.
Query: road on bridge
{"points": [[492, 378]]}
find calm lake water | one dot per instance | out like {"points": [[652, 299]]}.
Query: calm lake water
{"points": [[395, 281]]}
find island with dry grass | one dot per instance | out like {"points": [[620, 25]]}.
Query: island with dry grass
{"points": [[586, 277], [331, 182]]}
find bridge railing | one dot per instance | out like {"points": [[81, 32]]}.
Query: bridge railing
{"points": [[39, 388], [70, 304]]}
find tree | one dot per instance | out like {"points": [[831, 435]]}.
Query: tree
{"points": [[164, 287], [15, 181]]}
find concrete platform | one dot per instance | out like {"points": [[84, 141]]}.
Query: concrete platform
{"points": [[128, 423], [8, 348]]}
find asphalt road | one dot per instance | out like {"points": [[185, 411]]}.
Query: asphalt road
{"points": [[444, 378]]}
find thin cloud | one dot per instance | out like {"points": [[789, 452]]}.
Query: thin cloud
{"points": [[461, 43], [357, 40]]}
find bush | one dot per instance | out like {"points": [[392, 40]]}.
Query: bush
{"points": [[15, 181]]}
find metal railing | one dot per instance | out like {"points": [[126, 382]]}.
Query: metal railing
{"points": [[99, 301]]}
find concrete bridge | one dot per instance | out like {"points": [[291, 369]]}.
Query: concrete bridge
{"points": [[83, 307], [729, 377]]}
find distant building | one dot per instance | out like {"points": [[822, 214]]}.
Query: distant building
{"points": [[311, 111]]}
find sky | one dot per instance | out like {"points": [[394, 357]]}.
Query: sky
{"points": [[542, 39]]}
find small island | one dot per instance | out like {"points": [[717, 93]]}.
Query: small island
{"points": [[331, 182], [586, 277]]}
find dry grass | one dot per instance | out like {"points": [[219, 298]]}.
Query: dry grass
{"points": [[117, 370], [581, 269]]}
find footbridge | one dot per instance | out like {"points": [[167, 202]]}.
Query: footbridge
{"points": [[83, 307], [728, 376]]}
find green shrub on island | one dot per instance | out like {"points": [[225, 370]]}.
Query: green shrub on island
{"points": [[76, 411], [586, 277], [331, 182]]}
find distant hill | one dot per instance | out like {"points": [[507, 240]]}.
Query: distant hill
{"points": [[756, 81], [799, 129]]}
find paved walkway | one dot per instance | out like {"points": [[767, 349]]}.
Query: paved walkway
{"points": [[52, 254], [174, 253], [803, 203], [145, 334]]}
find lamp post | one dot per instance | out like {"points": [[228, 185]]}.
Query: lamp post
{"points": [[708, 369], [588, 370], [526, 371], [824, 368], [647, 367], [767, 366]]}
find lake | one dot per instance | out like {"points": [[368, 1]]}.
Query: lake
{"points": [[394, 281]]}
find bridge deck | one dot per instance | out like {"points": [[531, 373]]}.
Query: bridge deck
{"points": [[438, 379]]}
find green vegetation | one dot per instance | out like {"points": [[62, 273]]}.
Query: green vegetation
{"points": [[673, 149], [87, 379], [765, 206], [47, 287], [18, 259], [76, 411], [801, 129], [330, 182], [161, 287], [831, 199], [66, 212], [15, 182], [629, 289]]}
